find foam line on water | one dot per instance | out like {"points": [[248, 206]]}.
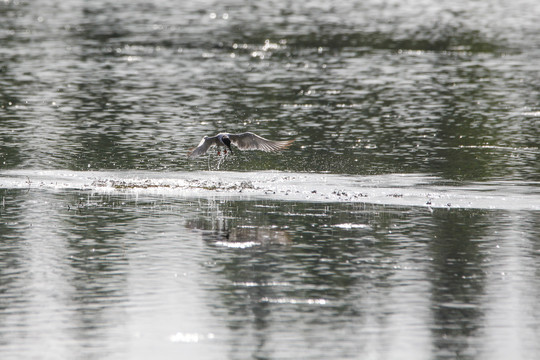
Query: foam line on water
{"points": [[390, 189]]}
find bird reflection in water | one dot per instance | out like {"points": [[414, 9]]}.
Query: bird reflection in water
{"points": [[256, 236], [242, 236]]}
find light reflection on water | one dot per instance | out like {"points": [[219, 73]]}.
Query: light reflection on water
{"points": [[364, 89], [124, 274]]}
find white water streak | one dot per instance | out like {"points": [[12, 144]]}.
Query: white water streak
{"points": [[392, 189]]}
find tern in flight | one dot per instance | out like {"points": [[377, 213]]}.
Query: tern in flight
{"points": [[244, 141]]}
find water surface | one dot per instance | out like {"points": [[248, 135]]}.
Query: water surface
{"points": [[403, 222]]}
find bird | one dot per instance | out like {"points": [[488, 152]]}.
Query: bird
{"points": [[244, 141]]}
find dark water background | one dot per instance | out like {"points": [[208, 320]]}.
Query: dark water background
{"points": [[449, 91]]}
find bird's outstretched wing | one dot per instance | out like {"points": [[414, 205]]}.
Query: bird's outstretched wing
{"points": [[203, 146], [251, 141]]}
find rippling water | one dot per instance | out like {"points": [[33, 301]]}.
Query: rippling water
{"points": [[381, 86], [403, 220]]}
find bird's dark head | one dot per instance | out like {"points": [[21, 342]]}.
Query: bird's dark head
{"points": [[227, 142]]}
